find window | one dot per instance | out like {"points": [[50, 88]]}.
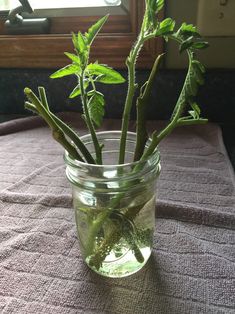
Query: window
{"points": [[54, 8], [46, 50]]}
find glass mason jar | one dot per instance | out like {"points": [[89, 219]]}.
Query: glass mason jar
{"points": [[114, 206]]}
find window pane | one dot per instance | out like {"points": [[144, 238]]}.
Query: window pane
{"points": [[56, 4]]}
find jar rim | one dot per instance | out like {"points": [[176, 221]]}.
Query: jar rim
{"points": [[76, 163]]}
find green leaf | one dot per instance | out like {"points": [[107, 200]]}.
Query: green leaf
{"points": [[77, 91], [199, 65], [160, 5], [152, 17], [166, 26], [81, 43], [156, 5], [96, 108], [199, 71], [188, 30], [186, 44], [107, 74], [94, 29], [73, 57], [195, 113], [68, 70], [200, 45], [75, 41], [91, 92]]}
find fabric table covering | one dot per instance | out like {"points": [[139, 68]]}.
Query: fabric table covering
{"points": [[192, 267]]}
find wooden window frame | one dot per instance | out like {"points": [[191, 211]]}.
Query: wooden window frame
{"points": [[111, 46]]}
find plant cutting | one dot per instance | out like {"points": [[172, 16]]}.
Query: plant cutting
{"points": [[114, 174]]}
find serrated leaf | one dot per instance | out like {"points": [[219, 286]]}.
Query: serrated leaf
{"points": [[188, 30], [166, 26], [160, 4], [157, 5], [67, 70], [75, 41], [81, 43], [94, 29], [96, 108], [77, 91], [198, 72], [73, 57], [186, 44], [200, 45], [153, 7], [152, 17], [91, 92], [106, 74], [199, 65]]}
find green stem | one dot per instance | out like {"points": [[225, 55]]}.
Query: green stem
{"points": [[76, 140], [57, 132], [108, 243], [157, 138], [130, 62], [141, 105], [115, 235], [94, 229], [97, 146], [69, 132], [182, 122]]}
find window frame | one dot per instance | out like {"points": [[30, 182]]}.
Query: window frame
{"points": [[111, 46]]}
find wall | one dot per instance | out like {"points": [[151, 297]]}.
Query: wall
{"points": [[221, 53]]}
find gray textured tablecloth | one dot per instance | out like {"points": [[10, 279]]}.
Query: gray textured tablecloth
{"points": [[192, 267]]}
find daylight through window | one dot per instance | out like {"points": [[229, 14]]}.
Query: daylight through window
{"points": [[55, 4]]}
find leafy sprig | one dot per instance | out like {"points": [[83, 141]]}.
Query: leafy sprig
{"points": [[88, 74], [186, 110]]}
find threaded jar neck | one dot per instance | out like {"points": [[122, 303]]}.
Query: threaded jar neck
{"points": [[111, 173]]}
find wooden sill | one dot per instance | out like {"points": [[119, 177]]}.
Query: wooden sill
{"points": [[111, 47]]}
